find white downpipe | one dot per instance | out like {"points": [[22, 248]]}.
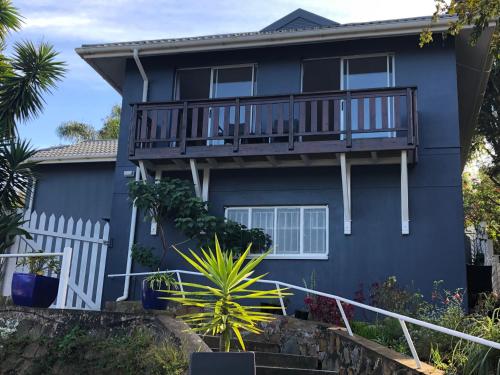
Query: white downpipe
{"points": [[133, 217], [143, 75]]}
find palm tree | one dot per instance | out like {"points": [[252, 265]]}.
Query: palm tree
{"points": [[25, 77], [75, 131]]}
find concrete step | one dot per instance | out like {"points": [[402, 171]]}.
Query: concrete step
{"points": [[268, 370], [252, 346], [286, 360]]}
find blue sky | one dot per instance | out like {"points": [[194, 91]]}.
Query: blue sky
{"points": [[84, 96]]}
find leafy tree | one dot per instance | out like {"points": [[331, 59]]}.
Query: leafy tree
{"points": [[75, 131], [25, 77], [111, 126], [482, 206]]}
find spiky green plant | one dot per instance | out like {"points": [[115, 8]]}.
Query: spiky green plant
{"points": [[231, 281]]}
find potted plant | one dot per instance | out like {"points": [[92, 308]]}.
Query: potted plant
{"points": [[153, 288], [155, 282], [34, 289], [229, 282]]}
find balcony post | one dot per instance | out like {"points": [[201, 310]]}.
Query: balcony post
{"points": [[184, 128], [290, 123], [348, 120], [236, 137], [409, 109]]}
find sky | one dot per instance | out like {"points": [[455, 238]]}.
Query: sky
{"points": [[67, 24]]}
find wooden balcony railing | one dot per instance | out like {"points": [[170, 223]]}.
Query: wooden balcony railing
{"points": [[340, 121]]}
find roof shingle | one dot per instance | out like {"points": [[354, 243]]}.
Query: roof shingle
{"points": [[82, 151]]}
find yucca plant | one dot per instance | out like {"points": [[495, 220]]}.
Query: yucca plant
{"points": [[231, 282]]}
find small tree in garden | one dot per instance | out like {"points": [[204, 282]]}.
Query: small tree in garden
{"points": [[173, 198], [481, 211], [230, 283]]}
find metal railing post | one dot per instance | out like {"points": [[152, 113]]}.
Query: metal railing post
{"points": [[180, 283], [283, 308], [410, 343], [64, 277], [344, 317]]}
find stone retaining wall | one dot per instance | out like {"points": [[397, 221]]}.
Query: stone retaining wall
{"points": [[42, 325], [337, 350]]}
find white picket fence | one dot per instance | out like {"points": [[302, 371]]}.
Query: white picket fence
{"points": [[89, 243]]}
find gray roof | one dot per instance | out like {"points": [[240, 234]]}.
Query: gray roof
{"points": [[263, 32], [299, 19], [86, 151]]}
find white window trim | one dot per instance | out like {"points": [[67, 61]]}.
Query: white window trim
{"points": [[301, 254]]}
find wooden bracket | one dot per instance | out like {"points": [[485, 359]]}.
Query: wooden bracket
{"points": [[405, 218], [345, 169]]}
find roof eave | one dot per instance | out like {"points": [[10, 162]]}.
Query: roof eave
{"points": [[265, 40], [79, 159]]}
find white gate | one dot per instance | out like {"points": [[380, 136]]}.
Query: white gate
{"points": [[89, 243]]}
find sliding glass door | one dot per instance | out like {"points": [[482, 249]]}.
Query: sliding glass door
{"points": [[366, 72], [229, 82], [216, 83]]}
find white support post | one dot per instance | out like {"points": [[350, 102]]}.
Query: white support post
{"points": [[196, 177], [179, 283], [410, 343], [64, 277], [344, 317], [142, 168], [405, 221], [154, 225], [206, 184], [345, 169], [282, 303]]}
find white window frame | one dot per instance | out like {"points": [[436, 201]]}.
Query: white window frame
{"points": [[301, 254]]}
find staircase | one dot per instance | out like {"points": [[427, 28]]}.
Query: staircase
{"points": [[270, 360]]}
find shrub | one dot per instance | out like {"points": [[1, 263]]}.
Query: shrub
{"points": [[453, 355]]}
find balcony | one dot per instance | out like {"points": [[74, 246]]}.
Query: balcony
{"points": [[371, 124]]}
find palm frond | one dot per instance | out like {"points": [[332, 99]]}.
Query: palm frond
{"points": [[35, 72]]}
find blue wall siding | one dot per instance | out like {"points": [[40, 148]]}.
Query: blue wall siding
{"points": [[434, 250], [80, 190]]}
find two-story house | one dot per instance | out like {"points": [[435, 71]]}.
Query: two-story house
{"points": [[344, 142]]}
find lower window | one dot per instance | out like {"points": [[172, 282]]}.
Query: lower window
{"points": [[296, 231]]}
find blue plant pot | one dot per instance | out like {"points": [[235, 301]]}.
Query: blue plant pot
{"points": [[150, 298], [34, 290]]}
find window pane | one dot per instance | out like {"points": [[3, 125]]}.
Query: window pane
{"points": [[321, 75], [263, 218], [288, 231], [315, 230], [366, 72], [240, 215], [193, 84], [229, 82]]}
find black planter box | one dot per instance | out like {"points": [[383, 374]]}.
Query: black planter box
{"points": [[302, 314], [222, 363], [478, 281]]}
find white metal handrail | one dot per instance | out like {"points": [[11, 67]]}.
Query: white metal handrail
{"points": [[403, 319], [66, 255]]}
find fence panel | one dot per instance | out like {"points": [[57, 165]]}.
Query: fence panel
{"points": [[89, 243]]}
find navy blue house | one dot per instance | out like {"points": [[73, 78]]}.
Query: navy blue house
{"points": [[345, 143]]}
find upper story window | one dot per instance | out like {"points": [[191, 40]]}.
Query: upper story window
{"points": [[296, 231], [367, 72], [215, 82], [348, 73]]}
